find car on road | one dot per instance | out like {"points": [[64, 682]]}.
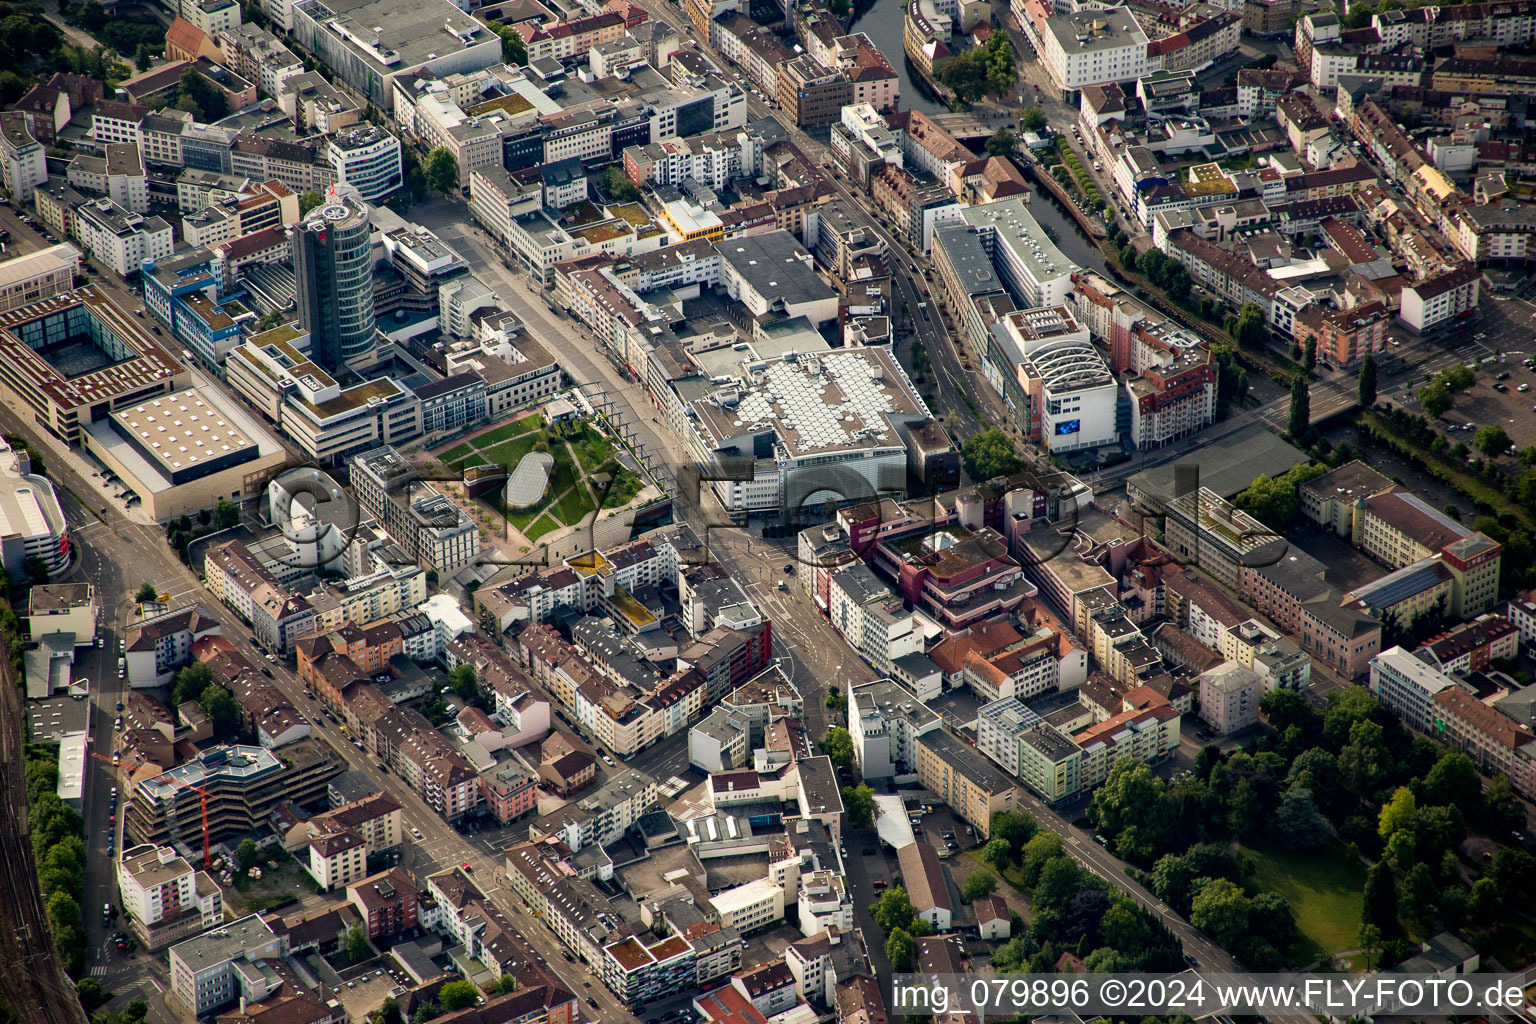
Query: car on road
{"points": [[465, 865], [879, 883], [789, 567], [266, 672], [119, 707], [1189, 958], [416, 833], [869, 851]]}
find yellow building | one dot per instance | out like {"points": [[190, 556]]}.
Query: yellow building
{"points": [[963, 779]]}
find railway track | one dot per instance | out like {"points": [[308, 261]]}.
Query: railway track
{"points": [[32, 980]]}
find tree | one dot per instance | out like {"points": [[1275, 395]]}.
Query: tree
{"points": [[1452, 782], [461, 680], [147, 592], [1436, 399], [1001, 143], [900, 949], [226, 514], [1297, 823], [977, 885], [1370, 944], [1059, 879], [618, 187], [1491, 440], [1220, 909], [1248, 327], [893, 909], [1381, 900], [456, 995], [1417, 900], [91, 996], [1400, 812], [223, 712], [442, 171], [1483, 903], [246, 854], [859, 802], [989, 454], [997, 853], [307, 202], [1367, 389], [197, 96], [1309, 354], [1032, 120], [389, 1011], [36, 569], [1013, 829], [838, 745], [357, 946], [190, 683], [1299, 425], [513, 50]]}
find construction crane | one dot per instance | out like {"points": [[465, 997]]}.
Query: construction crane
{"points": [[202, 799]]}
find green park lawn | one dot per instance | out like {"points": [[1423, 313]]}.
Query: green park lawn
{"points": [[579, 455], [1325, 889]]}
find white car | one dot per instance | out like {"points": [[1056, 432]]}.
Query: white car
{"points": [[416, 833]]}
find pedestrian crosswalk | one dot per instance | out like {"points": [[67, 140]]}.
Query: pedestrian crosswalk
{"points": [[99, 971]]}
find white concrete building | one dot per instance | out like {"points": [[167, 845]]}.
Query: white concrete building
{"points": [[885, 721], [166, 900], [121, 239], [1093, 46], [368, 159], [23, 160]]}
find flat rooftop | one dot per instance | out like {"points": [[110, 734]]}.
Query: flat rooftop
{"points": [[181, 429], [1017, 228], [836, 400]]}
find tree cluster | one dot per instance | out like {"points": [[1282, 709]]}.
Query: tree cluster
{"points": [[1276, 501], [1247, 327], [1075, 911], [990, 454], [988, 68], [199, 97], [617, 186], [195, 683], [1439, 394], [58, 847], [1231, 378], [1344, 773], [1163, 271]]}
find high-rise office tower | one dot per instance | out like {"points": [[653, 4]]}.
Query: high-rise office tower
{"points": [[333, 267]]}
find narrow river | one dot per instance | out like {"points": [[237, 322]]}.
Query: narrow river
{"points": [[882, 23]]}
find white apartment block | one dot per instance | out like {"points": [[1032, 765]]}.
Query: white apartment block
{"points": [[1093, 47], [165, 898]]}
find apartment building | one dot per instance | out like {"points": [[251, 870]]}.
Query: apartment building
{"points": [[1432, 702], [387, 902], [963, 779], [435, 531], [603, 816], [222, 965], [1147, 733], [887, 721], [1229, 697], [165, 898]]}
